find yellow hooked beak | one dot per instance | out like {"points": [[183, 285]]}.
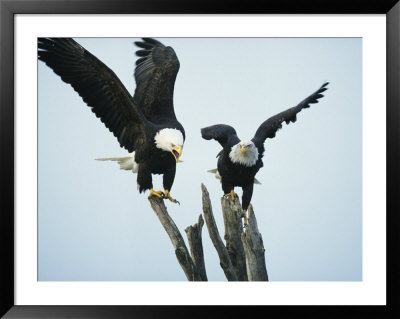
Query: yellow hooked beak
{"points": [[177, 151], [242, 149]]}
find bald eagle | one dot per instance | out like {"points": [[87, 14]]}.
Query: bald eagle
{"points": [[145, 124], [240, 160]]}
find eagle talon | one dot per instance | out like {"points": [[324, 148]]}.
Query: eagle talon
{"points": [[158, 194], [167, 195], [232, 195]]}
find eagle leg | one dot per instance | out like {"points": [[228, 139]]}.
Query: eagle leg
{"points": [[168, 196], [244, 215], [159, 194], [232, 195]]}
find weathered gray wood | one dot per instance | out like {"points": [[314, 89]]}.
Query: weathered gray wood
{"points": [[181, 251], [223, 254], [232, 211], [242, 259], [254, 250], [193, 234]]}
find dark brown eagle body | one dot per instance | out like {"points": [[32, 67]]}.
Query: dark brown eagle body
{"points": [[145, 124], [239, 161]]}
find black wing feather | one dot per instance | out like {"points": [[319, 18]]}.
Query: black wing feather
{"points": [[268, 128], [220, 132], [99, 88], [155, 75]]}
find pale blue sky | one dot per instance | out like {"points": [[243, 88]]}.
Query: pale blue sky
{"points": [[93, 223]]}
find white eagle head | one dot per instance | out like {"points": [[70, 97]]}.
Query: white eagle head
{"points": [[170, 140], [245, 153]]}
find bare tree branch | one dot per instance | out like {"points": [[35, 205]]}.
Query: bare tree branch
{"points": [[243, 257], [254, 250], [196, 247], [181, 251], [232, 212], [223, 254]]}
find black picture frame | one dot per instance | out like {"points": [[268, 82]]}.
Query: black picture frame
{"points": [[8, 10]]}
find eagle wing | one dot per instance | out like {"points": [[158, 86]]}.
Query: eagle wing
{"points": [[221, 133], [99, 88], [268, 128], [155, 75]]}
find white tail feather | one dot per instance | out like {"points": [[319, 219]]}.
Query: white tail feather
{"points": [[125, 162]]}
